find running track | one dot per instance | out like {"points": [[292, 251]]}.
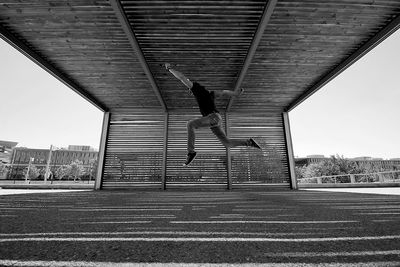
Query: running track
{"points": [[156, 228]]}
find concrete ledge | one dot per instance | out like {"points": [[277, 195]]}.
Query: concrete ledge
{"points": [[344, 185], [47, 186]]}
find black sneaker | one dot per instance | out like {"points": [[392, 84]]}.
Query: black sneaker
{"points": [[190, 158], [253, 143]]}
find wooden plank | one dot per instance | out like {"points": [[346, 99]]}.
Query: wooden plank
{"points": [[133, 41], [268, 10]]}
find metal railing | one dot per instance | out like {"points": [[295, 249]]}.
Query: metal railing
{"points": [[361, 178]]}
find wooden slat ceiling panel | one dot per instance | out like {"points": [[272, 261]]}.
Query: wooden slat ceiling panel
{"points": [[303, 41], [206, 40], [83, 39]]}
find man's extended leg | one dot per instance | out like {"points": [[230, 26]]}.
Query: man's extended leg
{"points": [[192, 125], [230, 142]]}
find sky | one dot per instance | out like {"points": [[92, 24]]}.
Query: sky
{"points": [[37, 110], [357, 113], [354, 115]]}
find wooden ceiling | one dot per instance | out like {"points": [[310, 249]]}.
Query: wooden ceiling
{"points": [[279, 51]]}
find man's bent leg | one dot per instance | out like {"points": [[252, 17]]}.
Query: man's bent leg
{"points": [[191, 126]]}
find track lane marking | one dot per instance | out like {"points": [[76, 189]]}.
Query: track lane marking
{"points": [[21, 263], [194, 239], [261, 222]]}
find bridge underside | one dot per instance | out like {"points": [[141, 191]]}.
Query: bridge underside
{"points": [[110, 52]]}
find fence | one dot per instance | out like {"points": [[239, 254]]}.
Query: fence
{"points": [[387, 177]]}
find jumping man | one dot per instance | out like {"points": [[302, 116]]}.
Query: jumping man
{"points": [[211, 117]]}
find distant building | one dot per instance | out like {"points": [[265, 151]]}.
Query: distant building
{"points": [[311, 159], [316, 156], [21, 156], [6, 148], [80, 148], [362, 158], [379, 164]]}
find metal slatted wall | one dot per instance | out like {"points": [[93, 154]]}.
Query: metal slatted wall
{"points": [[209, 167], [251, 166], [134, 150]]}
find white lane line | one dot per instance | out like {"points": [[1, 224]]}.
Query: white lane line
{"points": [[154, 233], [261, 222], [378, 213], [194, 239], [116, 222], [127, 207], [105, 209], [379, 221], [20, 263], [231, 216], [252, 210], [383, 207], [134, 217], [333, 254]]}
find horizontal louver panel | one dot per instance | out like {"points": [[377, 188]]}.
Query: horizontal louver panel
{"points": [[134, 154], [210, 163], [250, 165]]}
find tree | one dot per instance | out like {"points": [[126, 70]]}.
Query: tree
{"points": [[76, 169], [3, 169], [33, 172], [62, 171], [92, 168], [300, 171], [336, 165]]}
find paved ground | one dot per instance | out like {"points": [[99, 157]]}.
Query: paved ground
{"points": [[217, 228]]}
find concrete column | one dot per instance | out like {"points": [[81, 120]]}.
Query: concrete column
{"points": [[165, 153], [228, 154], [289, 151], [102, 151]]}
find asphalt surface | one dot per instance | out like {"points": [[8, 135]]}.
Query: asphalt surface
{"points": [[189, 228]]}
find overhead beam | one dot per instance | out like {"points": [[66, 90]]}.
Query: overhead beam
{"points": [[393, 26], [44, 64], [268, 10], [120, 13]]}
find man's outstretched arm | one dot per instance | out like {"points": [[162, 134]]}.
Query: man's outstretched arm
{"points": [[179, 76], [229, 93]]}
